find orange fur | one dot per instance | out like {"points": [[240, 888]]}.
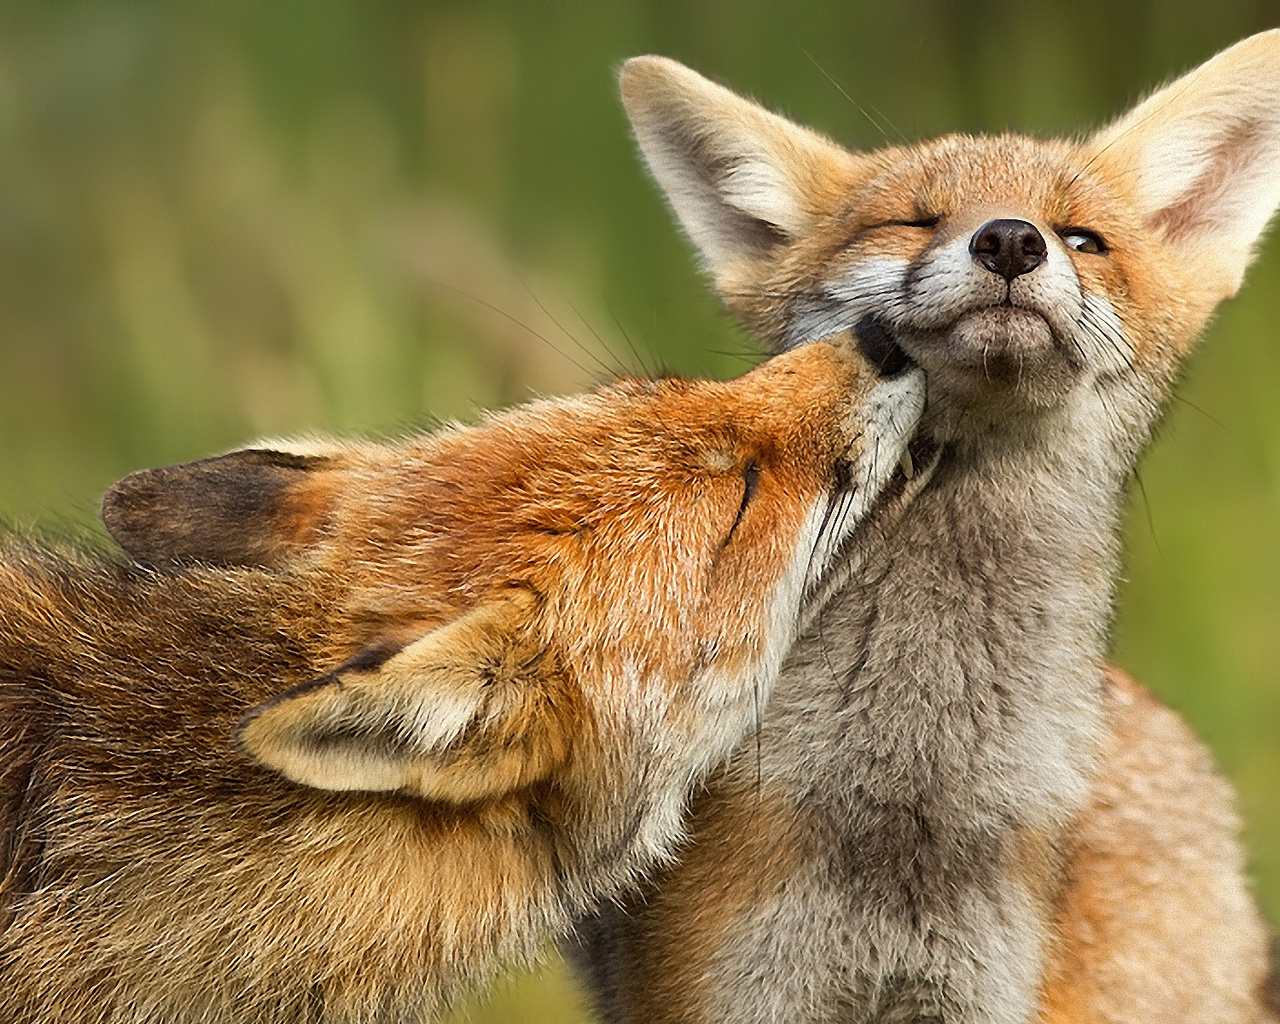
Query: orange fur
{"points": [[473, 677], [1152, 922]]}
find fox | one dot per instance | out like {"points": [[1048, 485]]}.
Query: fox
{"points": [[956, 810], [359, 723]]}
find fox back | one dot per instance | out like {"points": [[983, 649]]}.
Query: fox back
{"points": [[363, 722], [939, 832]]}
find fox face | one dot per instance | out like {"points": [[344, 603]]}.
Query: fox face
{"points": [[471, 677], [1024, 276], [600, 568]]}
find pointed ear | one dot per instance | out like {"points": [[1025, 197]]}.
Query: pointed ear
{"points": [[251, 507], [472, 710], [1201, 159], [741, 179]]}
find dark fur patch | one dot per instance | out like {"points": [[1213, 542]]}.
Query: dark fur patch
{"points": [[367, 660], [1270, 997], [228, 510], [911, 866], [23, 710]]}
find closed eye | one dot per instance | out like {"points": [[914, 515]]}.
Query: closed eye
{"points": [[923, 222], [750, 483], [920, 223]]}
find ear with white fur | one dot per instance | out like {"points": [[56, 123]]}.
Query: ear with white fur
{"points": [[741, 179], [472, 710], [1202, 159]]}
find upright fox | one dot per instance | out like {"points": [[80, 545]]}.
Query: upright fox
{"points": [[962, 814], [472, 678]]}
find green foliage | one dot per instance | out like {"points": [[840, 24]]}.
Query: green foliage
{"points": [[219, 221]]}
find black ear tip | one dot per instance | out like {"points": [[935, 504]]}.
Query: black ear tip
{"points": [[114, 509], [367, 660], [131, 510], [242, 726], [121, 494]]}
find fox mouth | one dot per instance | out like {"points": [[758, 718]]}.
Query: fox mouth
{"points": [[918, 461], [879, 346], [1007, 333], [1000, 330], [1007, 349]]}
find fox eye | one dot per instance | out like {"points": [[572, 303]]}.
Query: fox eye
{"points": [[927, 223], [930, 221], [750, 483], [1084, 240]]}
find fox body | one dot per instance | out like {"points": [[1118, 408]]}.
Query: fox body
{"points": [[963, 815], [365, 721]]}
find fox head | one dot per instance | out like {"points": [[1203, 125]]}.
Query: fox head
{"points": [[1026, 277], [531, 601]]}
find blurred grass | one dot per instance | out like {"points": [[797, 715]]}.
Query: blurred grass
{"points": [[225, 220], [549, 996]]}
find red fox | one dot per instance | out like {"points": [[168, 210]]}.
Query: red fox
{"points": [[962, 815], [471, 678]]}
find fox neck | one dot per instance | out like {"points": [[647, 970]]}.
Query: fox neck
{"points": [[953, 692], [627, 801], [968, 645]]}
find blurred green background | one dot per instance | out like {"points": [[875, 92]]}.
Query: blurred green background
{"points": [[224, 220]]}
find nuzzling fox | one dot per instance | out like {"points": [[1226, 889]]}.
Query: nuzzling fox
{"points": [[364, 721], [958, 813]]}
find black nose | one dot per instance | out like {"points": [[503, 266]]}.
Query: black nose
{"points": [[1008, 247]]}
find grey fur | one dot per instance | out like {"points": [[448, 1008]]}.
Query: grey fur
{"points": [[949, 696]]}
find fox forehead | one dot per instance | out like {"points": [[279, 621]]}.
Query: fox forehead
{"points": [[979, 168], [957, 178]]}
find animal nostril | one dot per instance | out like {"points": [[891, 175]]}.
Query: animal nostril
{"points": [[1008, 247]]}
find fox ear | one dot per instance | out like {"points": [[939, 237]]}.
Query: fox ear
{"points": [[1202, 159], [742, 180], [251, 507], [472, 710]]}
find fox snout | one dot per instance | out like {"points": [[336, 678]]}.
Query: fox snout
{"points": [[992, 307]]}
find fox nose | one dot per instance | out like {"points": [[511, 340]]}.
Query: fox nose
{"points": [[1008, 247]]}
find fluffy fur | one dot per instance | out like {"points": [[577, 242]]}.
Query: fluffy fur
{"points": [[961, 819], [473, 677]]}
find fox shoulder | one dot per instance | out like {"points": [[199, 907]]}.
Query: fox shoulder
{"points": [[1156, 876]]}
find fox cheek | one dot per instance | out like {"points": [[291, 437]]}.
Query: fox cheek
{"points": [[871, 287], [946, 283]]}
